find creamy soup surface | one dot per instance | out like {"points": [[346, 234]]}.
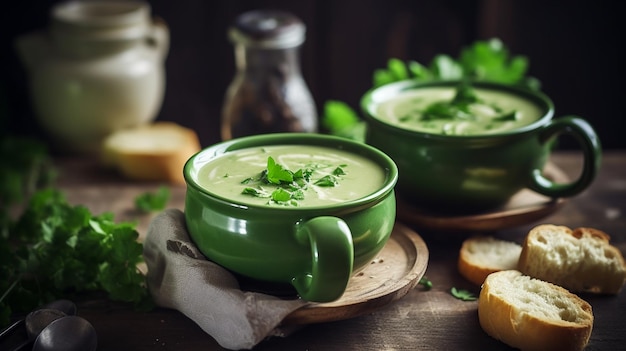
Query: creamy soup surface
{"points": [[330, 176], [495, 112]]}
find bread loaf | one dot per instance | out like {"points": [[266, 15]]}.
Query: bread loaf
{"points": [[580, 260], [480, 256], [531, 314], [154, 152]]}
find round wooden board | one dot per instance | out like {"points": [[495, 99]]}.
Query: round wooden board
{"points": [[392, 274], [524, 207]]}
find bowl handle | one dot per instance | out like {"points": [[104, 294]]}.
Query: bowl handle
{"points": [[589, 143], [332, 258]]}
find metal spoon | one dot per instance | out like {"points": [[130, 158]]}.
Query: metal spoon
{"points": [[71, 333], [37, 320], [66, 306]]}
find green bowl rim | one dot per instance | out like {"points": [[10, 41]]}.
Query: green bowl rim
{"points": [[316, 139]]}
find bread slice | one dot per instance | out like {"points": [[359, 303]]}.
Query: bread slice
{"points": [[480, 256], [153, 152], [531, 314], [580, 260]]}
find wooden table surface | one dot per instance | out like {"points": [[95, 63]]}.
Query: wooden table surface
{"points": [[421, 320]]}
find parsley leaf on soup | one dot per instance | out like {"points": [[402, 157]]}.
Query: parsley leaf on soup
{"points": [[276, 173], [281, 194], [290, 187], [326, 181]]}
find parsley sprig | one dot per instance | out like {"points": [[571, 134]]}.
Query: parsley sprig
{"points": [[462, 294], [289, 187], [54, 249], [459, 108], [50, 249]]}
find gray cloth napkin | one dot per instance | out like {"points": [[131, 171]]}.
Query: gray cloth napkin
{"points": [[180, 277]]}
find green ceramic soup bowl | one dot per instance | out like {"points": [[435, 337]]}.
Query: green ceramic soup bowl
{"points": [[242, 221], [456, 157]]}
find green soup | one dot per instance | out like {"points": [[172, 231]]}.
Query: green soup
{"points": [[428, 110], [291, 175]]}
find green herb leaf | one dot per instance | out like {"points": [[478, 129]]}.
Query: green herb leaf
{"points": [[463, 294], [255, 192], [276, 173], [326, 181], [490, 60], [444, 110], [307, 173], [339, 171], [151, 202], [465, 95], [457, 108], [281, 195], [339, 115], [511, 116], [444, 67], [419, 71], [426, 283], [340, 119], [297, 194], [396, 70]]}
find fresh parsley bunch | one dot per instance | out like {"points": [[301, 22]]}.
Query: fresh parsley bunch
{"points": [[487, 60], [55, 250]]}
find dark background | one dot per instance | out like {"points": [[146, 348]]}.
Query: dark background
{"points": [[576, 49]]}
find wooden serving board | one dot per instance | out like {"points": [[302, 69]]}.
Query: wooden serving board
{"points": [[391, 275], [524, 207]]}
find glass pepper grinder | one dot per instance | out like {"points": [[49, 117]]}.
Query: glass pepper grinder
{"points": [[268, 93]]}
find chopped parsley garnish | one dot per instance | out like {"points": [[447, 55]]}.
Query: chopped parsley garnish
{"points": [[290, 186], [276, 174], [511, 116], [339, 171], [327, 181], [255, 192]]}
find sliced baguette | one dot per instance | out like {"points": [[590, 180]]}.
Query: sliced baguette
{"points": [[580, 260], [480, 256], [154, 152], [531, 314]]}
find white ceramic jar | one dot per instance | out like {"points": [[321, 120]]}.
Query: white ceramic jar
{"points": [[98, 68]]}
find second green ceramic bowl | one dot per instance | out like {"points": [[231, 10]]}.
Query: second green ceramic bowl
{"points": [[473, 173]]}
